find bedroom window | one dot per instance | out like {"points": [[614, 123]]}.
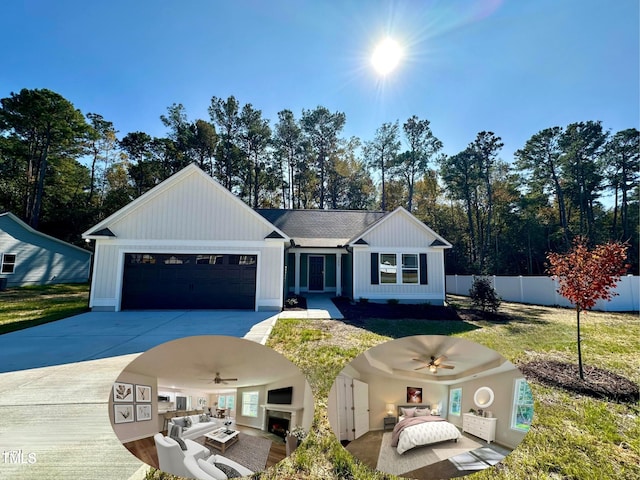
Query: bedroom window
{"points": [[522, 415], [455, 401], [8, 263], [250, 404]]}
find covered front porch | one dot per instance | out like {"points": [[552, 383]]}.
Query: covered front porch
{"points": [[319, 270]]}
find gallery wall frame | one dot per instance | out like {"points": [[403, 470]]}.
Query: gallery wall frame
{"points": [[123, 413], [143, 412], [122, 392], [143, 394]]}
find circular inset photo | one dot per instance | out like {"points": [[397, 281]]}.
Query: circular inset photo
{"points": [[430, 407], [211, 407]]}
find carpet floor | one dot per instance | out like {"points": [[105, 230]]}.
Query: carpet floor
{"points": [[249, 451]]}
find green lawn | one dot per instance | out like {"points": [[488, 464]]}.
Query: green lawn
{"points": [[572, 436], [29, 306]]}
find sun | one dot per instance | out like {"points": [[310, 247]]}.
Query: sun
{"points": [[386, 56]]}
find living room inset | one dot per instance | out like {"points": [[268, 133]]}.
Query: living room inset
{"points": [[214, 407]]}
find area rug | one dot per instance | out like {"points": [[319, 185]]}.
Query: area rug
{"points": [[478, 459], [249, 451], [390, 461]]}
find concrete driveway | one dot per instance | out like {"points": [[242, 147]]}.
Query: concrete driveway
{"points": [[96, 335], [57, 381]]}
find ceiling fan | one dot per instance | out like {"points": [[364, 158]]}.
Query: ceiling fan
{"points": [[218, 380], [434, 364]]}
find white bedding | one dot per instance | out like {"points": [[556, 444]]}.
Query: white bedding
{"points": [[425, 434]]}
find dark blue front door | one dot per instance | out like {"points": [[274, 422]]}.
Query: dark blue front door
{"points": [[316, 273]]}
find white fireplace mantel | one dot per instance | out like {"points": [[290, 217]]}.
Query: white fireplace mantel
{"points": [[273, 407]]}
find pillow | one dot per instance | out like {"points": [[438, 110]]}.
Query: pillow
{"points": [[187, 422], [175, 430], [204, 418], [422, 412], [212, 470], [230, 472], [178, 421], [408, 412], [183, 445]]}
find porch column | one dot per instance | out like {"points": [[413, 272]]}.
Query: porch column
{"points": [[338, 274], [297, 274]]}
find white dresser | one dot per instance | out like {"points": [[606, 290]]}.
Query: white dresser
{"points": [[484, 428]]}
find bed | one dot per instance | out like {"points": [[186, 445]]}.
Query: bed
{"points": [[417, 427]]}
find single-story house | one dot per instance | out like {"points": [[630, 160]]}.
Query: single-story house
{"points": [[190, 243], [29, 257]]}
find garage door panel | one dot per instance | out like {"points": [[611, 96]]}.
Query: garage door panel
{"points": [[208, 281]]}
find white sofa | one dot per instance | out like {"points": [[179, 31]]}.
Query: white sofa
{"points": [[197, 429], [202, 469], [171, 456]]}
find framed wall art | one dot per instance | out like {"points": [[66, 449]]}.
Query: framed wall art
{"points": [[123, 413], [143, 412], [143, 393], [414, 395], [122, 392]]}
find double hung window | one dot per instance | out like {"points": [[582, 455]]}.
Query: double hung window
{"points": [[8, 263]]}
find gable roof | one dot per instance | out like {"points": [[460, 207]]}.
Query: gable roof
{"points": [[29, 228], [321, 228], [102, 230], [439, 241]]}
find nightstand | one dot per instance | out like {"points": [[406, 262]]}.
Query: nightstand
{"points": [[390, 422]]}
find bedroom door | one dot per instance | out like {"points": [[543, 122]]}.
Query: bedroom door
{"points": [[360, 408]]}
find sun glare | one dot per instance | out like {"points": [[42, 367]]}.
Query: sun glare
{"points": [[386, 56]]}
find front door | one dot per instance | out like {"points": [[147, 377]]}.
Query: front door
{"points": [[316, 273]]}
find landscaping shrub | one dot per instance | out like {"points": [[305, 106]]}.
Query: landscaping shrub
{"points": [[484, 296]]}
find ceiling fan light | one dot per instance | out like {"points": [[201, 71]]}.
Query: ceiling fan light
{"points": [[433, 368]]}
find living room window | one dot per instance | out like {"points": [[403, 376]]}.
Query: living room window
{"points": [[8, 263], [522, 414], [250, 404], [455, 401]]}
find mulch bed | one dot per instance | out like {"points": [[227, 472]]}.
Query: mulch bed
{"points": [[362, 310], [598, 383]]}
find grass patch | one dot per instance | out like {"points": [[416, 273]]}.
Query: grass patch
{"points": [[572, 436], [26, 307]]}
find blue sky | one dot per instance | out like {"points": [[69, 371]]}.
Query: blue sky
{"points": [[510, 66]]}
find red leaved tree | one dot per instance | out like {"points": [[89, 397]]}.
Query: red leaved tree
{"points": [[588, 275]]}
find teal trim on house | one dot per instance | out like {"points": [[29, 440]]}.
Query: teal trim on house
{"points": [[347, 275], [330, 271], [291, 271], [304, 270]]}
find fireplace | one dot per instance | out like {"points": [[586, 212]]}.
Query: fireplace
{"points": [[278, 426]]}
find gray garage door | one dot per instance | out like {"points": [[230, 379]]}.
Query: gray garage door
{"points": [[173, 281]]}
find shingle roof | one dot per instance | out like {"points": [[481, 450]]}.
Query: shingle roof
{"points": [[321, 228]]}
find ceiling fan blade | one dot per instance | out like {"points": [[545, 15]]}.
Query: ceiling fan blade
{"points": [[420, 368], [446, 366], [437, 361], [418, 360]]}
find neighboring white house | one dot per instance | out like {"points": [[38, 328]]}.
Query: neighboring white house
{"points": [[30, 257], [190, 243]]}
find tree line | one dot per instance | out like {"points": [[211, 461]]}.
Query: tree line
{"points": [[62, 171]]}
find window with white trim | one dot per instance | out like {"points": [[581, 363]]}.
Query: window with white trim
{"points": [[8, 263], [409, 268], [455, 401], [522, 413], [250, 404]]}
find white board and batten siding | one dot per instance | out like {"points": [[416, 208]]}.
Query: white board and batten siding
{"points": [[191, 214], [399, 233], [39, 258]]}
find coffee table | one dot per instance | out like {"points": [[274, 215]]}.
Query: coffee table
{"points": [[221, 439]]}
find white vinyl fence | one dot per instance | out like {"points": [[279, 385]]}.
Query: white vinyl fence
{"points": [[543, 291]]}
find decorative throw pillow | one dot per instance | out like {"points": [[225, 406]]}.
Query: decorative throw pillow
{"points": [[175, 431], [211, 469], [422, 412], [230, 472], [187, 422], [204, 418], [183, 445], [178, 421], [408, 412]]}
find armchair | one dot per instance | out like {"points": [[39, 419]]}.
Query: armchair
{"points": [[171, 456]]}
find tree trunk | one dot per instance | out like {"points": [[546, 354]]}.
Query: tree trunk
{"points": [[580, 370]]}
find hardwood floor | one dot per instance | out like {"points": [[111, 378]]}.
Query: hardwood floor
{"points": [[145, 449]]}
